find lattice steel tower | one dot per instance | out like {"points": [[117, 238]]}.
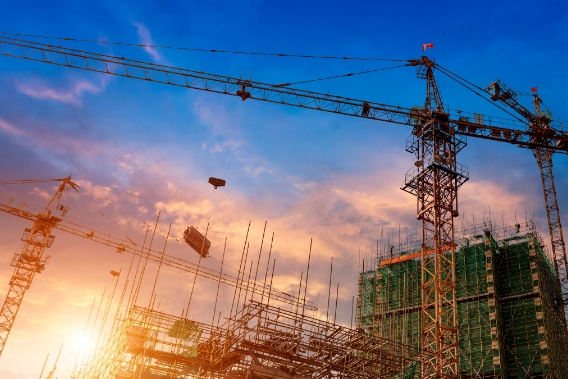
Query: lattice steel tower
{"points": [[539, 122], [29, 262], [435, 180], [544, 160]]}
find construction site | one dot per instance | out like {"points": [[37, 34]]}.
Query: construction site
{"points": [[510, 321], [446, 302]]}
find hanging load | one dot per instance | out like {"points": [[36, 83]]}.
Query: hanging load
{"points": [[216, 182], [186, 330], [197, 241]]}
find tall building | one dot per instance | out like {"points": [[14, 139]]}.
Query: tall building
{"points": [[510, 322]]}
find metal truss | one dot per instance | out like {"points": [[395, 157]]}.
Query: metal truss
{"points": [[260, 341], [436, 182], [124, 246], [28, 263], [460, 123], [544, 161]]}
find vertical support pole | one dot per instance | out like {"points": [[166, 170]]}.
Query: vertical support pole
{"points": [[541, 314], [437, 198], [544, 160], [494, 307]]}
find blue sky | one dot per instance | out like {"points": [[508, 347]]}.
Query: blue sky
{"points": [[146, 147]]}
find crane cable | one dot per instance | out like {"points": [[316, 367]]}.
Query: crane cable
{"points": [[442, 69], [521, 93], [339, 76], [206, 50], [453, 76], [160, 66]]}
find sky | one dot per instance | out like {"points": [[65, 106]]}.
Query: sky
{"points": [[139, 148]]}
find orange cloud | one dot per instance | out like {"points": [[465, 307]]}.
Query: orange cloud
{"points": [[342, 213]]}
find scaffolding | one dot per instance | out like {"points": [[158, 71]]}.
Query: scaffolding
{"points": [[510, 324], [260, 341]]}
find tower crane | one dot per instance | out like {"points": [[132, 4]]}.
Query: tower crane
{"points": [[437, 137], [540, 120], [31, 261]]}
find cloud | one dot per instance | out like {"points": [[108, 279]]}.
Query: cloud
{"points": [[226, 138], [8, 127], [231, 145], [41, 137], [41, 193], [259, 170], [216, 118], [481, 198], [145, 38], [102, 196], [182, 208], [142, 210], [37, 89], [339, 211]]}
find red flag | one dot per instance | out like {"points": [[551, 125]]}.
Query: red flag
{"points": [[534, 89], [426, 45]]}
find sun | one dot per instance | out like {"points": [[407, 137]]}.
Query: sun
{"points": [[82, 343]]}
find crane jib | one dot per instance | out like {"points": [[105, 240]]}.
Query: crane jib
{"points": [[434, 180], [124, 246], [552, 141]]}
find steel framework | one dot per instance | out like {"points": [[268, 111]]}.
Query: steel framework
{"points": [[38, 237], [491, 128], [260, 341], [509, 320], [544, 160], [540, 121], [29, 262], [434, 181]]}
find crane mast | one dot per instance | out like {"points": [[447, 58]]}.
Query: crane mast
{"points": [[544, 160], [29, 262], [540, 121], [435, 181]]}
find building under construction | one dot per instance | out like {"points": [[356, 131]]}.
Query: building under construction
{"points": [[510, 322]]}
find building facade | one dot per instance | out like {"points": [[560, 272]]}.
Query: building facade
{"points": [[510, 322]]}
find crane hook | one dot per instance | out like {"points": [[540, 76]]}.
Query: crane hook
{"points": [[243, 91]]}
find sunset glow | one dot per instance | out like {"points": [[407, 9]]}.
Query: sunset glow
{"points": [[142, 152]]}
